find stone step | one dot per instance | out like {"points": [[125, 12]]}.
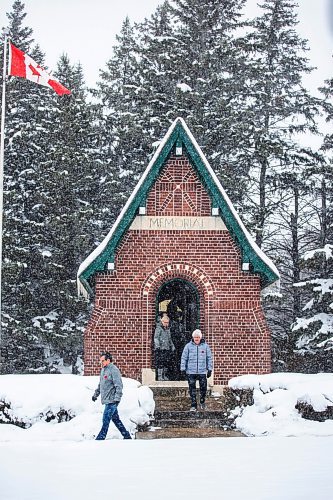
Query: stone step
{"points": [[184, 403], [172, 405], [186, 432], [168, 391], [188, 415], [195, 424], [200, 418]]}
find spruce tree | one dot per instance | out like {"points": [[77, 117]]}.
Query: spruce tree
{"points": [[278, 107], [70, 190], [122, 138], [25, 126], [209, 60], [158, 95], [313, 329]]}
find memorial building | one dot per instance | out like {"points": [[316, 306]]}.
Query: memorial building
{"points": [[179, 247]]}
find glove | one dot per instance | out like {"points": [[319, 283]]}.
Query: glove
{"points": [[94, 398], [209, 373]]}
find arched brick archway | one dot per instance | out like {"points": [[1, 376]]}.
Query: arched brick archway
{"points": [[181, 270], [149, 290]]}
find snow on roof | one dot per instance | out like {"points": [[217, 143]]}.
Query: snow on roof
{"points": [[101, 247], [249, 238]]}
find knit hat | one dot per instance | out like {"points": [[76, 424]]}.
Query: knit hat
{"points": [[197, 333]]}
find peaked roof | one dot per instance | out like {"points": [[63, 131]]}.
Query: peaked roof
{"points": [[177, 135]]}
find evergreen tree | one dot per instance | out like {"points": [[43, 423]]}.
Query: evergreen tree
{"points": [[313, 329], [26, 122], [289, 239], [122, 138], [209, 64], [278, 107], [50, 216], [70, 191], [158, 95]]}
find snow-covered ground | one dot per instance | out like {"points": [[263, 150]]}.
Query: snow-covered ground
{"points": [[61, 461]]}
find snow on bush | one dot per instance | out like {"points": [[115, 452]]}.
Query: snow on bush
{"points": [[276, 397], [59, 407]]}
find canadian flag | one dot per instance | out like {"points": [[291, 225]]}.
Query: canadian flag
{"points": [[20, 64]]}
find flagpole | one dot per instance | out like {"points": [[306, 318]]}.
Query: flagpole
{"points": [[2, 152]]}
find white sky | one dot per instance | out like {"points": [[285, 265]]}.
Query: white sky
{"points": [[86, 30]]}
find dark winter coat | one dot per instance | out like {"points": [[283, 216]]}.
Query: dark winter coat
{"points": [[196, 359], [162, 338], [110, 385]]}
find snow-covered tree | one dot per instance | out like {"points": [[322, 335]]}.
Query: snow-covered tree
{"points": [[209, 60], [313, 329], [69, 196], [278, 107], [25, 133], [122, 138]]}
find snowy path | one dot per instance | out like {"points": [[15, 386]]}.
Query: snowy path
{"points": [[218, 468]]}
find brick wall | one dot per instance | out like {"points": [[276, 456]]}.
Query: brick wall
{"points": [[231, 316]]}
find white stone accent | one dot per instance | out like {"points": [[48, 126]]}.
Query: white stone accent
{"points": [[177, 223]]}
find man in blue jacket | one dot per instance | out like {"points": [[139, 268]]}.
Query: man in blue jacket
{"points": [[110, 388], [197, 362]]}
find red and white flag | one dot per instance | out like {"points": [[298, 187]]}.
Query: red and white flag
{"points": [[20, 64]]}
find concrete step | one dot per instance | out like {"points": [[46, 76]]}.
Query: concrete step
{"points": [[200, 418], [186, 432], [170, 391], [188, 415], [172, 417], [193, 424], [184, 404]]}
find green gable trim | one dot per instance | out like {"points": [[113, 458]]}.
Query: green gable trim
{"points": [[108, 254], [267, 276], [179, 136]]}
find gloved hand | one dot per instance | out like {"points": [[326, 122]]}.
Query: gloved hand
{"points": [[209, 373], [94, 398]]}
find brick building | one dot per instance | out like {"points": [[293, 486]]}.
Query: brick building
{"points": [[178, 246]]}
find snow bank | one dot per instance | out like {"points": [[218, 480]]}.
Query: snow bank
{"points": [[275, 398], [33, 399]]}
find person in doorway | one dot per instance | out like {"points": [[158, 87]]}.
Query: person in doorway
{"points": [[197, 363], [164, 347], [110, 388]]}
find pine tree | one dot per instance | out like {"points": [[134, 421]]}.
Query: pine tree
{"points": [[70, 191], [313, 329], [289, 239], [278, 107], [158, 95], [210, 63], [26, 122], [122, 138]]}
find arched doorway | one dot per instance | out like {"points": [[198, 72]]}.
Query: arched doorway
{"points": [[179, 299]]}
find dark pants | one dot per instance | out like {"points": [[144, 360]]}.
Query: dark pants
{"points": [[111, 413], [192, 379]]}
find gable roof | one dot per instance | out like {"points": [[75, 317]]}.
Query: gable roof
{"points": [[177, 135]]}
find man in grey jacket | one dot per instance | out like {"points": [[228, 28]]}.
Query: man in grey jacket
{"points": [[110, 388], [197, 362]]}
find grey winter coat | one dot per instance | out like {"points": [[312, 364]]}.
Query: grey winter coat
{"points": [[110, 385], [196, 359], [162, 338]]}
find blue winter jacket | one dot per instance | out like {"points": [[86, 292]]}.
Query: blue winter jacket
{"points": [[196, 359]]}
